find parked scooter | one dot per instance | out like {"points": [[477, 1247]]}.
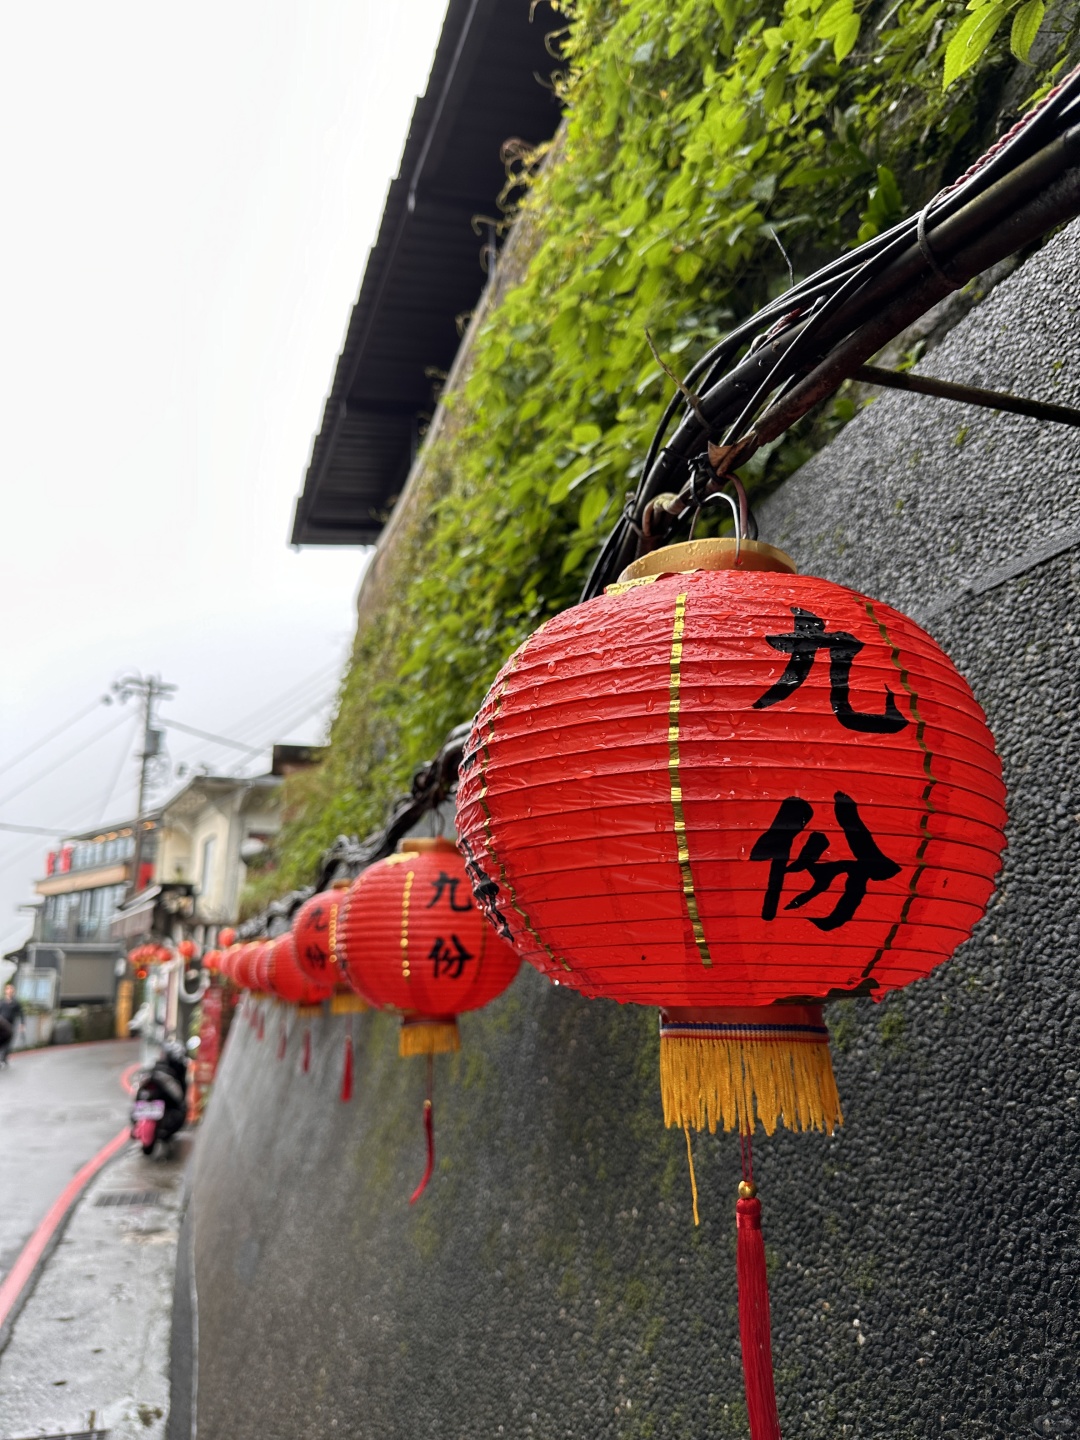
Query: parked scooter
{"points": [[160, 1106]]}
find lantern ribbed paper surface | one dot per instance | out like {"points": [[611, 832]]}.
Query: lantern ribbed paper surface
{"points": [[723, 789], [413, 940], [243, 960], [287, 980], [259, 968]]}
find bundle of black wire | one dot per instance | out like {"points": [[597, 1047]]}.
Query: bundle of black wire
{"points": [[774, 367]]}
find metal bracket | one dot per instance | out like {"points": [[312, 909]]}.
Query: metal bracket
{"points": [[965, 394]]}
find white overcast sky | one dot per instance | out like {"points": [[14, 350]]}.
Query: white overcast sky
{"points": [[189, 197]]}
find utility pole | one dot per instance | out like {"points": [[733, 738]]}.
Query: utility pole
{"points": [[150, 689]]}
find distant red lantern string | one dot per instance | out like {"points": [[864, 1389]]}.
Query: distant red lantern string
{"points": [[733, 792]]}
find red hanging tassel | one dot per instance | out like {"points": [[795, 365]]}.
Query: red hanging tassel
{"points": [[754, 1327], [283, 1040], [429, 1130], [262, 1022], [347, 1069], [305, 1052]]}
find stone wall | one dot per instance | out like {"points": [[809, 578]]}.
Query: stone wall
{"points": [[924, 1262]]}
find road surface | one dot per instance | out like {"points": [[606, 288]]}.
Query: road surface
{"points": [[58, 1107]]}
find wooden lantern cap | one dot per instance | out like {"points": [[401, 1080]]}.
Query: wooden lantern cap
{"points": [[719, 554]]}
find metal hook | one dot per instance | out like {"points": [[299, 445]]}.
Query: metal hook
{"points": [[720, 495]]}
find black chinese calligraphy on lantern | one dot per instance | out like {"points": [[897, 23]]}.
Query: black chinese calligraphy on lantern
{"points": [[717, 788]]}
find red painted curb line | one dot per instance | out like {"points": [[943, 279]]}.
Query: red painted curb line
{"points": [[20, 1274], [24, 1267]]}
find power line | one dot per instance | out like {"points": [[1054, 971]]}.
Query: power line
{"points": [[116, 776], [71, 755], [206, 735], [282, 706], [299, 719], [283, 700], [35, 829], [52, 735], [292, 718]]}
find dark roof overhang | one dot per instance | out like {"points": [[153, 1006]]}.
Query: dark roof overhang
{"points": [[425, 271]]}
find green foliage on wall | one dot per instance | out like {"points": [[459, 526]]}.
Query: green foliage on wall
{"points": [[707, 143]]}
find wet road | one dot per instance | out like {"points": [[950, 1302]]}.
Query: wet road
{"points": [[57, 1109]]}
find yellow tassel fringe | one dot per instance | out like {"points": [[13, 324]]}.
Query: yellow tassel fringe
{"points": [[428, 1037], [348, 1005], [706, 1082]]}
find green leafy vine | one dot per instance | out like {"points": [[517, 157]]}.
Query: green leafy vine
{"points": [[708, 144]]}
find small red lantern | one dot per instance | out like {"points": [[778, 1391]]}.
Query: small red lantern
{"points": [[212, 961], [187, 949], [226, 936], [260, 967], [286, 979], [245, 956], [412, 940], [315, 929]]}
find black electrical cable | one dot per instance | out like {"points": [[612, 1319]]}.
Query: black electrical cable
{"points": [[789, 340]]}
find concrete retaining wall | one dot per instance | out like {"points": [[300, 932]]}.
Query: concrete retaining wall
{"points": [[924, 1262]]}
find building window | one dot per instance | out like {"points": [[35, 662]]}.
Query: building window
{"points": [[209, 845]]}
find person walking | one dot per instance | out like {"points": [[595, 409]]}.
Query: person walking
{"points": [[11, 1015]]}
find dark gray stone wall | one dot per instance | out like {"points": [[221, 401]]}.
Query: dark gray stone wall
{"points": [[924, 1262]]}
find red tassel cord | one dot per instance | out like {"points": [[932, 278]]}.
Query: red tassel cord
{"points": [[754, 1327], [283, 1039], [347, 1068], [305, 1052], [262, 1022], [429, 1131]]}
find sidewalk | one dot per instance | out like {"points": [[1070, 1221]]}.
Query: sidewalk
{"points": [[89, 1351]]}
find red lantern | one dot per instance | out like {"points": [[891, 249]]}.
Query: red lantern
{"points": [[245, 956], [412, 940], [260, 968], [733, 792], [315, 931], [187, 949], [285, 978], [721, 792], [226, 936], [212, 961]]}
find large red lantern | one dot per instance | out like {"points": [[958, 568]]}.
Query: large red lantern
{"points": [[733, 793], [285, 978], [412, 940]]}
